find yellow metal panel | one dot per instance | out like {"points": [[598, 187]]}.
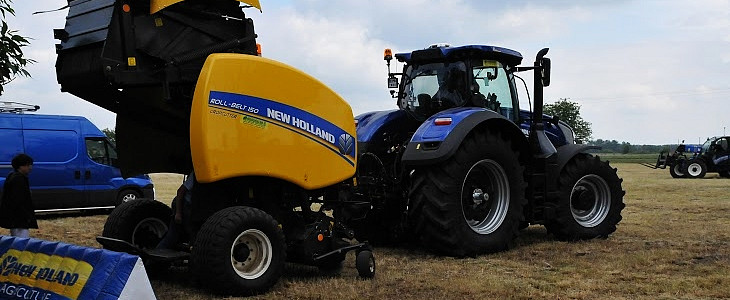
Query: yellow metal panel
{"points": [[253, 116], [158, 5]]}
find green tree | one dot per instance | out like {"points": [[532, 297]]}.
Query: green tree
{"points": [[569, 112], [626, 148], [12, 60], [110, 134]]}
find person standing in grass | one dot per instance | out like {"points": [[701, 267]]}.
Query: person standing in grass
{"points": [[16, 206]]}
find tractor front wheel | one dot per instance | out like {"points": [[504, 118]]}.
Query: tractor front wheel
{"points": [[696, 169], [676, 170], [239, 250], [591, 200], [473, 202]]}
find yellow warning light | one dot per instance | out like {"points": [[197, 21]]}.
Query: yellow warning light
{"points": [[132, 61], [387, 54]]}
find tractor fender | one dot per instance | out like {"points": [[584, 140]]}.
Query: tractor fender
{"points": [[567, 152], [433, 143]]}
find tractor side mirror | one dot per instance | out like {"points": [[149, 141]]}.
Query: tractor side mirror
{"points": [[545, 72], [392, 82]]}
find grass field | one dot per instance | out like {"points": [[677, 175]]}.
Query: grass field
{"points": [[672, 244]]}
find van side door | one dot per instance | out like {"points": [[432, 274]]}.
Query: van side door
{"points": [[102, 179], [56, 180]]}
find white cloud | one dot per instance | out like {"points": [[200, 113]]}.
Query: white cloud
{"points": [[643, 71]]}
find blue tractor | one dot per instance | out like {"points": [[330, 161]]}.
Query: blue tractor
{"points": [[712, 157], [460, 169], [675, 160]]}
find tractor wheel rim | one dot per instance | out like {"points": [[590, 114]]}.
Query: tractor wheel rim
{"points": [[590, 200], [148, 232], [129, 197], [678, 170], [694, 169], [259, 254], [485, 196]]}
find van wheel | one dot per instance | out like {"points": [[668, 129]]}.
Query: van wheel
{"points": [[142, 223], [127, 195]]}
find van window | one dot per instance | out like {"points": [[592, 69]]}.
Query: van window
{"points": [[101, 151]]}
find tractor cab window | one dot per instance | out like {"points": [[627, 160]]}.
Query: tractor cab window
{"points": [[707, 144], [490, 87], [101, 151], [430, 88]]}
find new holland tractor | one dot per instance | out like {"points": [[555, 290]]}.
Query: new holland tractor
{"points": [[713, 157], [674, 160], [286, 173], [461, 169], [695, 161]]}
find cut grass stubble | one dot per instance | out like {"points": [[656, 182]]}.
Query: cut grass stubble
{"points": [[672, 243]]}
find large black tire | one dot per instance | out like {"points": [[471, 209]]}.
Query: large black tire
{"points": [[591, 200], [473, 202], [695, 168], [142, 222], [676, 170], [240, 251]]}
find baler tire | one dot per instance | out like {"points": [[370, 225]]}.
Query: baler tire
{"points": [[239, 251], [587, 181], [695, 168], [365, 264], [142, 222], [676, 170], [442, 195]]}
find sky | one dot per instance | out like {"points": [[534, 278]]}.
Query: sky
{"points": [[643, 72]]}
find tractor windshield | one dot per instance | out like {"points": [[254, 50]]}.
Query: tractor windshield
{"points": [[491, 87], [706, 145], [430, 88]]}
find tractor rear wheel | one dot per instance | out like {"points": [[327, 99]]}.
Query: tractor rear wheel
{"points": [[239, 250], [473, 202], [676, 170], [696, 168], [591, 200]]}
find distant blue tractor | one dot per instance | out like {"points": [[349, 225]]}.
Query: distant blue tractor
{"points": [[461, 169], [695, 161], [674, 160]]}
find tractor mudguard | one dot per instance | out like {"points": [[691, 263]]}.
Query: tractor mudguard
{"points": [[566, 152], [369, 124], [434, 143], [243, 123]]}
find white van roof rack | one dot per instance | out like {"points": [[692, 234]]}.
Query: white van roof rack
{"points": [[17, 108]]}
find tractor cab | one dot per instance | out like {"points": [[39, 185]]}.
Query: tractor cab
{"points": [[442, 77]]}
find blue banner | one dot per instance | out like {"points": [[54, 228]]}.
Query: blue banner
{"points": [[41, 270]]}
